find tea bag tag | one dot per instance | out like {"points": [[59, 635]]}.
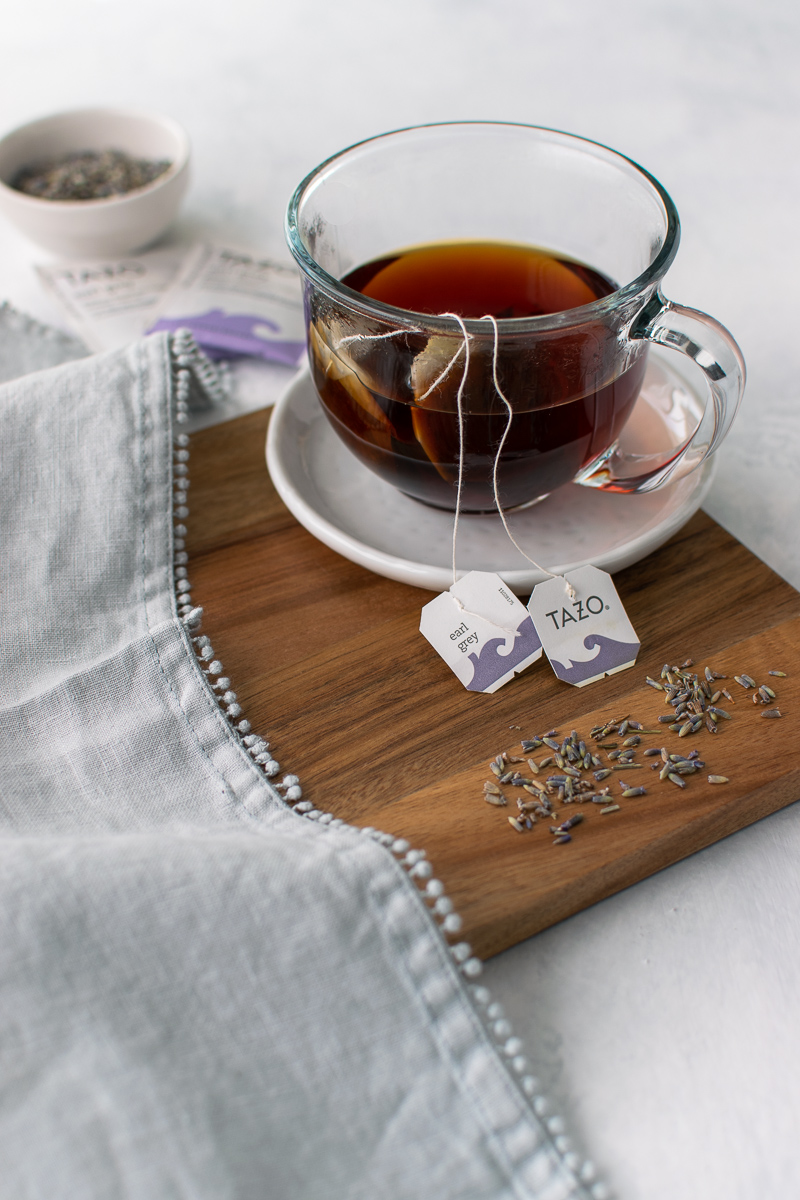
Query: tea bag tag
{"points": [[482, 631], [586, 637]]}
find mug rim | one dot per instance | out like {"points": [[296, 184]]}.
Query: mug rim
{"points": [[506, 325]]}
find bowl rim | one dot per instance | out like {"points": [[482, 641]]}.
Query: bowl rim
{"points": [[175, 168]]}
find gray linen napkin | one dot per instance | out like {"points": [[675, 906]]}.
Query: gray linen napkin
{"points": [[205, 992], [26, 345]]}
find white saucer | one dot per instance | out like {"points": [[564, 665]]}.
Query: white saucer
{"points": [[368, 521]]}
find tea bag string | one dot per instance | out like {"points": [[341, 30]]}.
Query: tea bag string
{"points": [[464, 349], [460, 411], [495, 488], [379, 337], [373, 337], [515, 633]]}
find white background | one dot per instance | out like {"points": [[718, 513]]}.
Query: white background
{"points": [[664, 1021]]}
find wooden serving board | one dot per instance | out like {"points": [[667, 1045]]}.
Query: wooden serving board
{"points": [[329, 665]]}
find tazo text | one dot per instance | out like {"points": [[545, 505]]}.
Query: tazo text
{"points": [[584, 608]]}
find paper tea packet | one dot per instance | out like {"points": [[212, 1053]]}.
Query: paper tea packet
{"points": [[110, 303], [237, 304], [244, 311]]}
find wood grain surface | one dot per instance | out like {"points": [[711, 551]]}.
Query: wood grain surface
{"points": [[329, 665]]}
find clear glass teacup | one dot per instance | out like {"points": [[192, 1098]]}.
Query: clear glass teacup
{"points": [[525, 398]]}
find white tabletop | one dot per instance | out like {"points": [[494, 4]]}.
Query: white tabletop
{"points": [[663, 1020]]}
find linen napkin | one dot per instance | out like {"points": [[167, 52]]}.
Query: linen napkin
{"points": [[208, 989]]}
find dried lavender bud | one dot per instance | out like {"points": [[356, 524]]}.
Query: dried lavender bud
{"points": [[88, 175]]}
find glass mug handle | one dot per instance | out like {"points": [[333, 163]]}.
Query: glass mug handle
{"points": [[714, 351]]}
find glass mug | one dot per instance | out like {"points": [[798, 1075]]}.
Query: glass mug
{"points": [[398, 385]]}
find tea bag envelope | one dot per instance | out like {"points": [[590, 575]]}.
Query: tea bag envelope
{"points": [[585, 636], [482, 631]]}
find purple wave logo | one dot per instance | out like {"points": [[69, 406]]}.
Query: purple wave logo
{"points": [[222, 335], [608, 656], [492, 663]]}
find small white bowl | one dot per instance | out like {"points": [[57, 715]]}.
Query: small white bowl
{"points": [[95, 228]]}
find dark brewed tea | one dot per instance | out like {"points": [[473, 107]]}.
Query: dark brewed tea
{"points": [[393, 400], [476, 278]]}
